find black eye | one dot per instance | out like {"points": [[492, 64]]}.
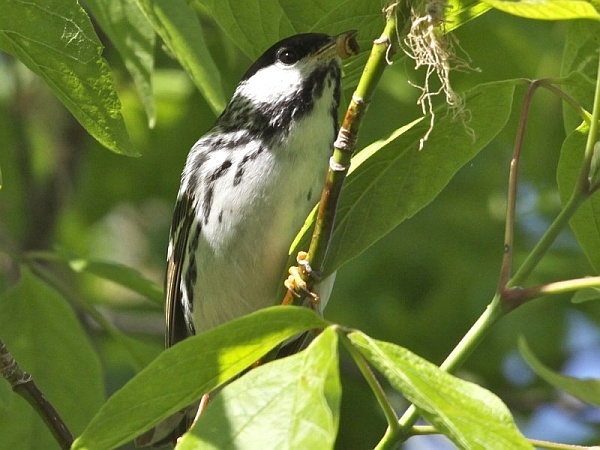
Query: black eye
{"points": [[287, 56]]}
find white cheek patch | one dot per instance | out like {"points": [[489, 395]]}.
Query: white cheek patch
{"points": [[271, 84], [276, 82]]}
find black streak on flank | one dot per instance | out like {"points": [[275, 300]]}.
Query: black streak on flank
{"points": [[207, 205], [210, 188], [220, 171], [190, 281], [240, 169]]}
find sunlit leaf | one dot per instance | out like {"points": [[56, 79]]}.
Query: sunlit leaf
{"points": [[178, 25], [391, 180], [289, 403], [579, 67], [472, 417], [587, 390], [56, 40], [462, 11], [133, 37], [547, 9], [181, 374]]}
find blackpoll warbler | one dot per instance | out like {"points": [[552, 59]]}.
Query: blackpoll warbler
{"points": [[247, 186]]}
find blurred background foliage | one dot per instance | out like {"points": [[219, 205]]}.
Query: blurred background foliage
{"points": [[422, 286]]}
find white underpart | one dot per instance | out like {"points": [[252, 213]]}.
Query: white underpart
{"points": [[241, 260]]}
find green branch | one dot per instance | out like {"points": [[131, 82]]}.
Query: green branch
{"points": [[344, 147]]}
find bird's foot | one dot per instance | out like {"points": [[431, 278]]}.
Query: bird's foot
{"points": [[296, 283]]}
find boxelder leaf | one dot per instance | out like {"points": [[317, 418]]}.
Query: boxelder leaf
{"points": [[289, 403], [43, 334], [470, 416], [181, 374], [391, 180], [587, 390], [586, 221], [134, 38], [178, 25], [56, 40]]}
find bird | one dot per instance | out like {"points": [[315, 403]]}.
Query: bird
{"points": [[246, 189]]}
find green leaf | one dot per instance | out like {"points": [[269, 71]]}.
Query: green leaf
{"points": [[579, 67], [120, 274], [334, 17], [45, 337], [470, 416], [253, 26], [586, 390], [586, 295], [463, 11], [56, 40], [177, 24], [183, 373], [547, 9], [138, 353], [586, 221], [289, 403], [391, 180], [134, 38]]}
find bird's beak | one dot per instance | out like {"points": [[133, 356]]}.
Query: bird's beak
{"points": [[343, 45]]}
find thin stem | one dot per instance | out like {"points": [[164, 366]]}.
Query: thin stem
{"points": [[580, 193], [23, 385], [389, 440], [584, 175], [365, 369], [560, 287], [344, 147], [558, 446], [513, 178], [346, 141], [549, 84], [421, 430]]}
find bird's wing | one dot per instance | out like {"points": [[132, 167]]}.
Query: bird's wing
{"points": [[174, 426], [180, 228]]}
